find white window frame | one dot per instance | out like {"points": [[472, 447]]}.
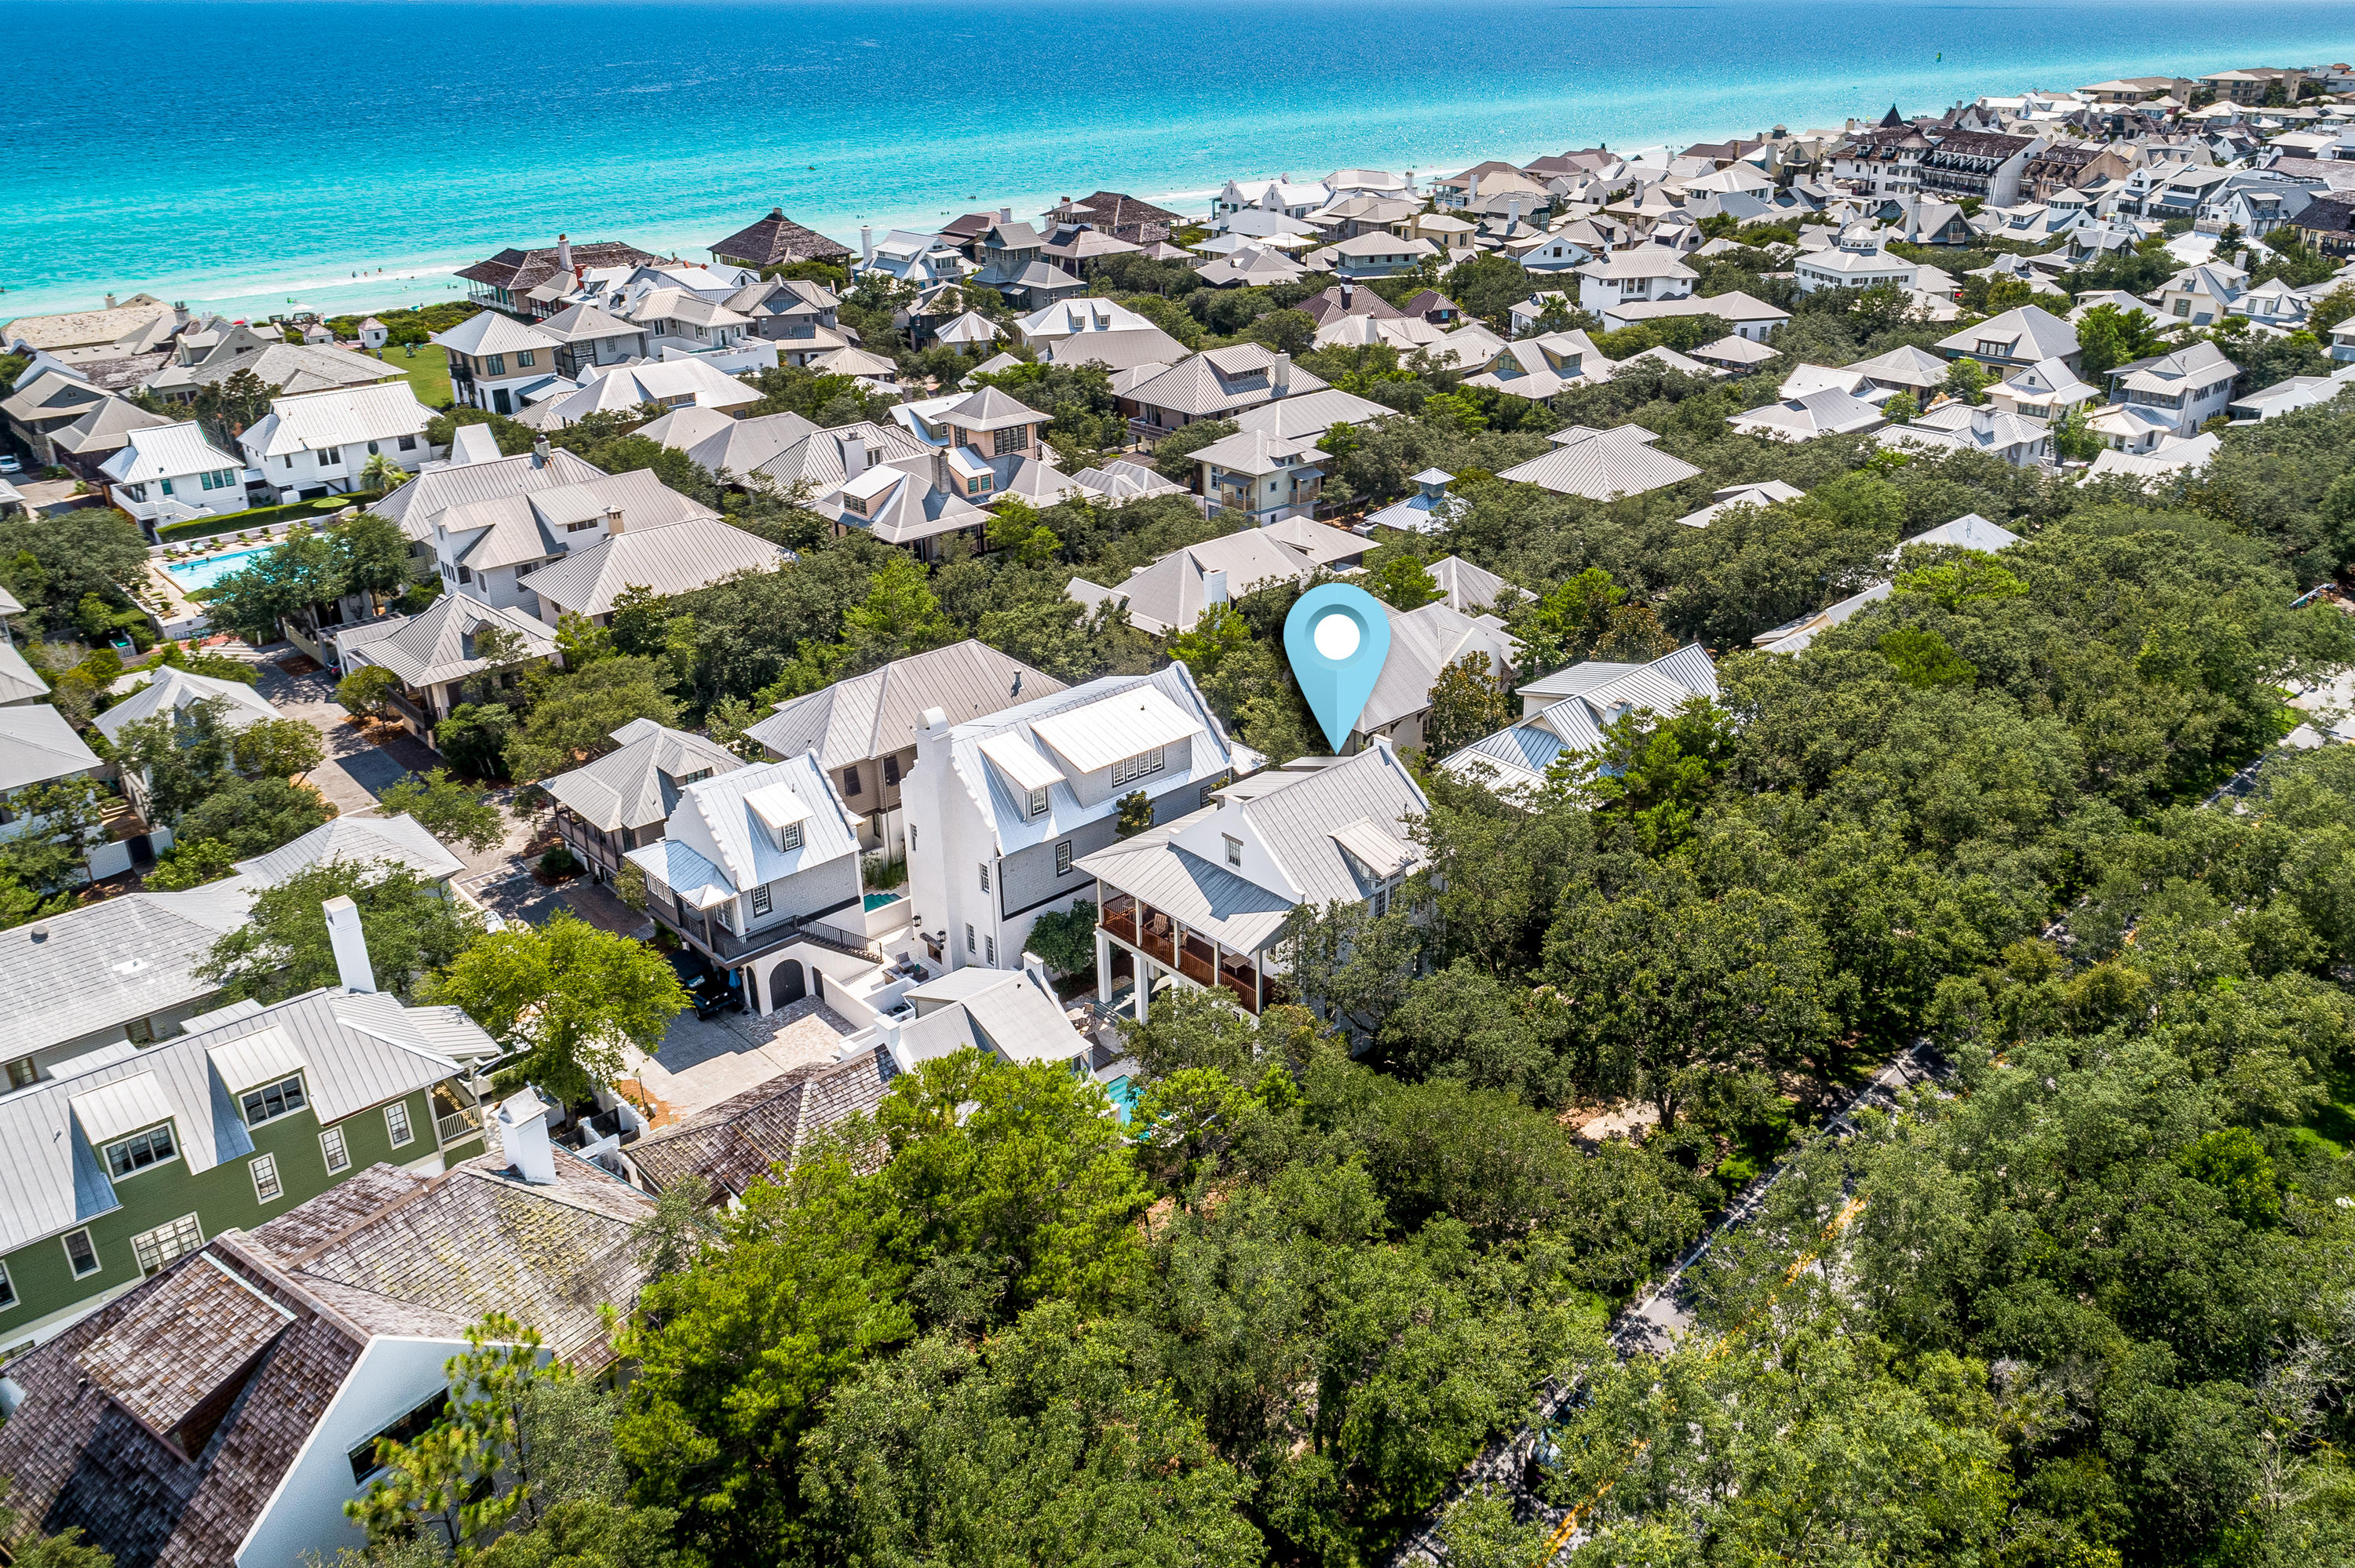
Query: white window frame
{"points": [[1142, 765], [267, 1186], [761, 901], [989, 946], [971, 944], [183, 1236], [398, 1125], [173, 1153], [97, 1263], [336, 1150], [789, 837], [1234, 849], [289, 1104], [9, 1300]]}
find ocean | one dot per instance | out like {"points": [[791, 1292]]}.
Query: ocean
{"points": [[264, 154]]}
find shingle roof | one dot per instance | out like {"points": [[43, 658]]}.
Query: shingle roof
{"points": [[738, 1142], [633, 787], [876, 715], [678, 558], [776, 239], [520, 270]]}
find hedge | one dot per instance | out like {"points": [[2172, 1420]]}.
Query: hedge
{"points": [[234, 523]]}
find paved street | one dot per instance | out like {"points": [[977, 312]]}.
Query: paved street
{"points": [[358, 768]]}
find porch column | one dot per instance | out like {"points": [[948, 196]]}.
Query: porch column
{"points": [[1104, 967]]}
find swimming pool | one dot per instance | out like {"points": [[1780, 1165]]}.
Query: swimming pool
{"points": [[877, 900], [202, 574]]}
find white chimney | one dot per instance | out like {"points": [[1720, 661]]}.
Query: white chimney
{"points": [[1472, 191], [1512, 214], [539, 451], [1036, 967], [934, 717], [1006, 215], [109, 302], [853, 447], [343, 935], [612, 520], [523, 1133], [1280, 375], [1983, 422], [563, 254], [1214, 586], [865, 242]]}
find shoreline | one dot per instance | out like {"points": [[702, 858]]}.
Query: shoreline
{"points": [[588, 199]]}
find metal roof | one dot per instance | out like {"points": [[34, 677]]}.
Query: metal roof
{"points": [[36, 744], [399, 840], [876, 715], [344, 417], [634, 787], [103, 964], [1602, 464], [1119, 724], [124, 1105], [675, 558], [166, 452], [256, 1059], [416, 505], [174, 691]]}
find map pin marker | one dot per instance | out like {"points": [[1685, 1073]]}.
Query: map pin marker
{"points": [[1337, 638]]}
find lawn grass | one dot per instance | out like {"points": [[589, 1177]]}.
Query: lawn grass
{"points": [[427, 373]]}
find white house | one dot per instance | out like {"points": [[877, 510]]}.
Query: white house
{"points": [[2171, 393], [489, 548], [751, 859], [1602, 465], [1827, 412], [1639, 272], [1856, 262], [2017, 439], [169, 474], [1198, 901], [318, 443], [1002, 808]]}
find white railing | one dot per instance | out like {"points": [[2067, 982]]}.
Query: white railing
{"points": [[460, 1125]]}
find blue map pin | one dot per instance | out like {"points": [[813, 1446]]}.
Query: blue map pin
{"points": [[1336, 637]]}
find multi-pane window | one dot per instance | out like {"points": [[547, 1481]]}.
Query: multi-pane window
{"points": [[989, 944], [971, 946], [22, 1072], [789, 837], [80, 1256], [267, 1188], [159, 1247], [396, 1123], [1062, 857], [760, 905], [1234, 850], [140, 1151], [1139, 766], [850, 785], [7, 1288], [278, 1099], [331, 1144], [1038, 802], [495, 365]]}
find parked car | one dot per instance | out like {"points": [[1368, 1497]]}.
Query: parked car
{"points": [[10, 464]]}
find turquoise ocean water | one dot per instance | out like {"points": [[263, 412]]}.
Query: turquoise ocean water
{"points": [[242, 153]]}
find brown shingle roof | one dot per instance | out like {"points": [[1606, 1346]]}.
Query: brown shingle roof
{"points": [[734, 1143], [235, 1352], [519, 271], [775, 240]]}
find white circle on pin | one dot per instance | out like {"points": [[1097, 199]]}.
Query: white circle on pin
{"points": [[1335, 636]]}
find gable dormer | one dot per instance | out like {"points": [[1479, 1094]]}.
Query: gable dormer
{"points": [[1228, 839], [780, 814]]}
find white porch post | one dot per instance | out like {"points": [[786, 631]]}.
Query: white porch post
{"points": [[1104, 967]]}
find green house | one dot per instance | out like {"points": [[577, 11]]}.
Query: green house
{"points": [[138, 1154]]}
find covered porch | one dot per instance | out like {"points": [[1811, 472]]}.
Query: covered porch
{"points": [[1141, 951]]}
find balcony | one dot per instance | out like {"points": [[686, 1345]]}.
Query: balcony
{"points": [[458, 1126]]}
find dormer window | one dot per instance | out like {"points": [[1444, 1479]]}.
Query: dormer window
{"points": [[1138, 766], [1234, 850], [1038, 803], [789, 837], [268, 1104], [140, 1151]]}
